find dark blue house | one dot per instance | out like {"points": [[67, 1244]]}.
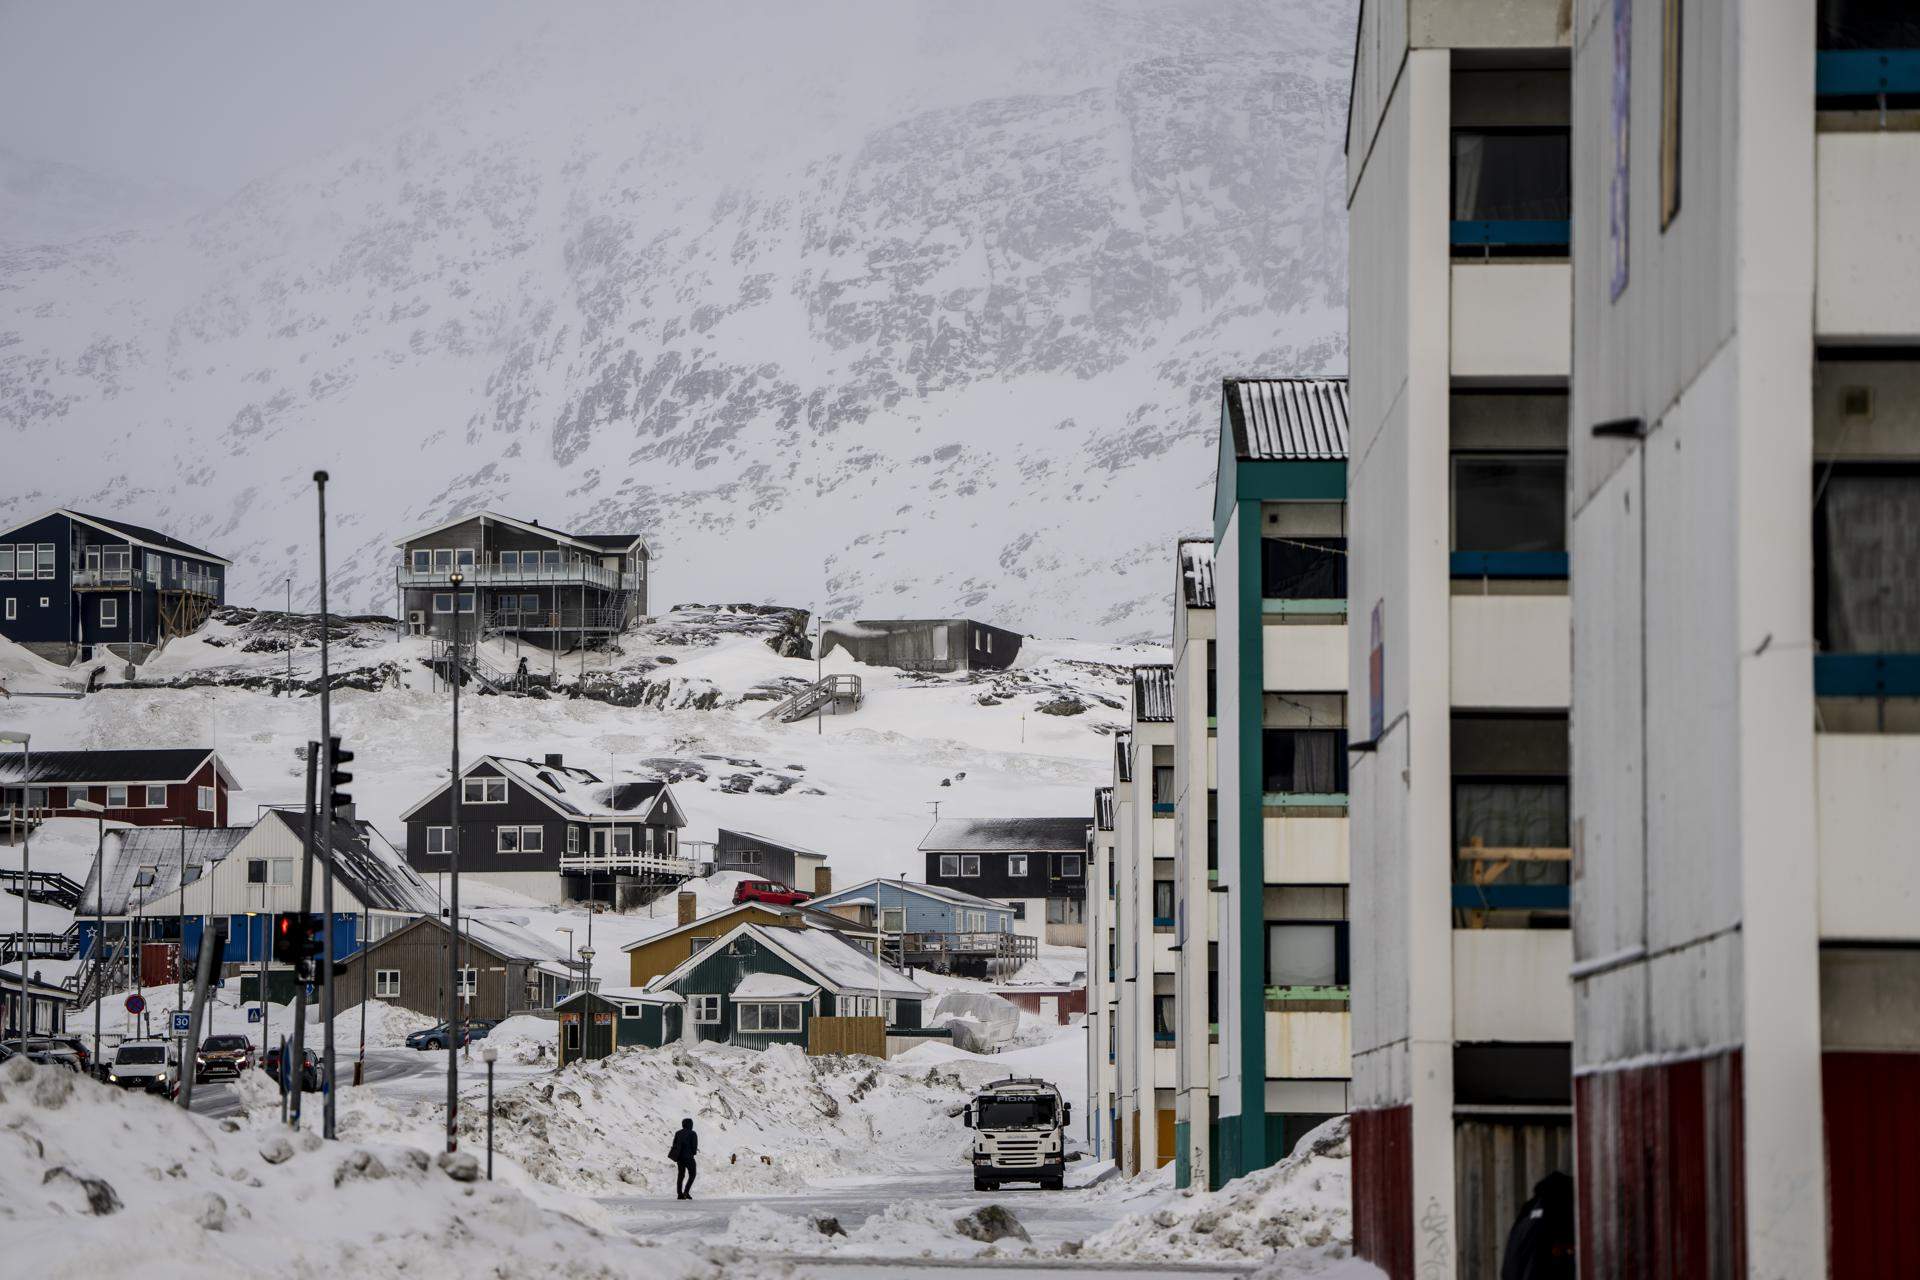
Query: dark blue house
{"points": [[71, 583]]}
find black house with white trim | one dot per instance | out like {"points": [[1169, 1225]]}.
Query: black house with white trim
{"points": [[519, 578], [72, 584], [1038, 866], [554, 832]]}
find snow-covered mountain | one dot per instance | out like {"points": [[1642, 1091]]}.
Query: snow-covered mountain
{"points": [[882, 309]]}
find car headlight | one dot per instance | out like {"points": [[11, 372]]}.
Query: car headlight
{"points": [[112, 1076]]}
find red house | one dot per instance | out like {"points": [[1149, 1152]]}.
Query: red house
{"points": [[148, 788]]}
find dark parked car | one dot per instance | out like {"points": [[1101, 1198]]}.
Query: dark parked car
{"points": [[770, 891], [223, 1056], [437, 1037], [309, 1074], [46, 1053]]}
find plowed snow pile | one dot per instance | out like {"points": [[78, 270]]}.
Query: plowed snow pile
{"points": [[769, 1121], [1300, 1206], [94, 1181]]}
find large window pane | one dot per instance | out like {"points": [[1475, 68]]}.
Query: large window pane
{"points": [[1302, 955], [1305, 761], [1510, 502], [1303, 568], [1867, 563], [1511, 175]]}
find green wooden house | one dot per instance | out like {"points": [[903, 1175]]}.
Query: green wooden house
{"points": [[595, 1023], [758, 986]]}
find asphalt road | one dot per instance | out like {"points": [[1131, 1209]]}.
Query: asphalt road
{"points": [[398, 1067]]}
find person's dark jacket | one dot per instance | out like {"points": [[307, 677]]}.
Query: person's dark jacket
{"points": [[686, 1145], [1540, 1246]]}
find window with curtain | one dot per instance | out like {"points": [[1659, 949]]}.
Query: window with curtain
{"points": [[1305, 954], [1163, 899], [1512, 814], [1502, 175], [1509, 502], [1303, 568], [1163, 1016], [1305, 761], [1162, 784], [1867, 561]]}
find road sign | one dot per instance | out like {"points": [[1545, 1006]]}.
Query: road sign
{"points": [[182, 1022], [136, 1003], [309, 991], [254, 1014]]}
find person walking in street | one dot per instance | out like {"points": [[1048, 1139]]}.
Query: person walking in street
{"points": [[686, 1145]]}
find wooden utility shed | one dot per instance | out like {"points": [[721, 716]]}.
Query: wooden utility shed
{"points": [[594, 1024]]}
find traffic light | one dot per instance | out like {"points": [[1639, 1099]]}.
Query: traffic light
{"points": [[338, 778], [298, 940]]}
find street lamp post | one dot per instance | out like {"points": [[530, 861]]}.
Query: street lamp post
{"points": [[24, 740], [99, 914], [455, 579], [586, 968], [487, 1055], [180, 928]]}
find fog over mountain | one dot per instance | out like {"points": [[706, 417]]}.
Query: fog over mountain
{"points": [[886, 310]]}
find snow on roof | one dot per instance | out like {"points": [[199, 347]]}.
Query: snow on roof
{"points": [[1007, 835], [1122, 756], [579, 792], [788, 845], [1196, 572], [940, 892], [1287, 419], [1153, 693], [620, 994], [160, 764], [140, 864], [839, 966], [797, 914], [773, 986]]}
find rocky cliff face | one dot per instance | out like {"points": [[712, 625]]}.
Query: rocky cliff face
{"points": [[875, 312]]}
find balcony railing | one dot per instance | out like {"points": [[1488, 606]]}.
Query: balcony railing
{"points": [[633, 860], [493, 575], [1508, 564], [110, 578], [127, 579], [1866, 675]]}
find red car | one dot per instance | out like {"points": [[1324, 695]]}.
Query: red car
{"points": [[767, 891]]}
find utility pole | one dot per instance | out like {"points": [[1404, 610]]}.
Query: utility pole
{"points": [[180, 929], [453, 889], [287, 630], [26, 869], [326, 829]]}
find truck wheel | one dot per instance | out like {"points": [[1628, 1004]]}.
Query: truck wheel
{"points": [[981, 1184], [1055, 1183]]}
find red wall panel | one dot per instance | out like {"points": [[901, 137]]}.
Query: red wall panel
{"points": [[1383, 1189], [1658, 1185], [1872, 1111]]}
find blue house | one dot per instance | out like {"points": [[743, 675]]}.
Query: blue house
{"points": [[71, 583], [934, 927]]}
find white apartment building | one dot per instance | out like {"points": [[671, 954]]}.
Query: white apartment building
{"points": [[1196, 913], [1143, 916], [1459, 343], [1103, 997], [1281, 885], [1745, 497]]}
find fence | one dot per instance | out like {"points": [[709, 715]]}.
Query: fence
{"points": [[847, 1035]]}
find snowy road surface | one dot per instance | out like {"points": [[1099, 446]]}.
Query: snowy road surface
{"points": [[1052, 1218], [1003, 1269]]}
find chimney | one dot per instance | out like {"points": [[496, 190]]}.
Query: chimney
{"points": [[822, 880], [688, 912], [555, 760]]}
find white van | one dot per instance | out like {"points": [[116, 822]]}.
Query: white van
{"points": [[153, 1065]]}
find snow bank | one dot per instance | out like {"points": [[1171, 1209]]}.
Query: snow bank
{"points": [[980, 1021], [769, 1121], [96, 1180], [1300, 1207]]}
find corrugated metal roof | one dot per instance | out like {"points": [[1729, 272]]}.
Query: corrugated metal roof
{"points": [[1196, 572], [129, 849], [1153, 693], [1123, 756], [1009, 835], [1103, 807], [1287, 419]]}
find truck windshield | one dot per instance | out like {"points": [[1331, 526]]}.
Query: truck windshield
{"points": [[1015, 1112], [141, 1056]]}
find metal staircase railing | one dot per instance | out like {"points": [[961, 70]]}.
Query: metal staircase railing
{"points": [[43, 886], [816, 696], [89, 983], [40, 946]]}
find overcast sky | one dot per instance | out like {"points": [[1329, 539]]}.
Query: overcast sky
{"points": [[213, 93]]}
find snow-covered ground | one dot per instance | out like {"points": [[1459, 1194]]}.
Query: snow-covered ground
{"points": [[860, 787]]}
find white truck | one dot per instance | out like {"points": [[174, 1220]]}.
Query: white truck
{"points": [[1019, 1134]]}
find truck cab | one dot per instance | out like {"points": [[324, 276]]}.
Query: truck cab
{"points": [[1019, 1134]]}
